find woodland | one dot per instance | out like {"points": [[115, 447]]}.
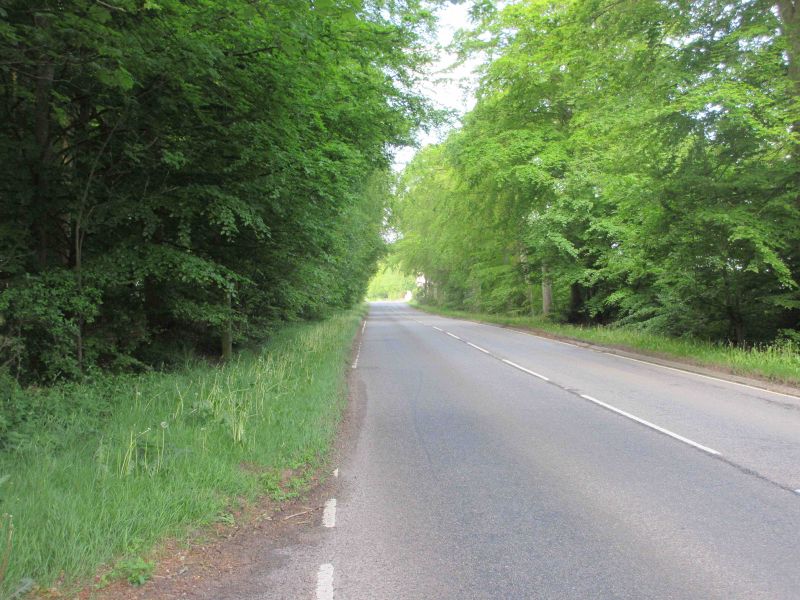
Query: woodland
{"points": [[628, 164], [179, 176]]}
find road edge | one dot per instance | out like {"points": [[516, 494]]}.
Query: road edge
{"points": [[719, 373]]}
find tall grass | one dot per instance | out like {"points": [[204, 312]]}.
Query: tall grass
{"points": [[778, 362], [166, 451]]}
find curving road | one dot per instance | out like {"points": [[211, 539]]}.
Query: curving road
{"points": [[491, 463]]}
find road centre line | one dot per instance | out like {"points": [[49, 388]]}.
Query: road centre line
{"points": [[325, 582], [651, 425], [623, 413], [528, 371], [478, 348], [438, 328], [329, 514]]}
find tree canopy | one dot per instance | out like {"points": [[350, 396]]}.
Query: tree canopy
{"points": [[174, 173], [635, 160]]}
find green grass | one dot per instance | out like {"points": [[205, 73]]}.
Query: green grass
{"points": [[168, 451], [778, 363]]}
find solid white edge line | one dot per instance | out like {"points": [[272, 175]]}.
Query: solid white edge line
{"points": [[651, 425], [521, 368], [325, 582], [478, 348], [358, 354], [363, 327], [644, 362], [437, 328], [452, 335], [751, 387], [329, 514]]}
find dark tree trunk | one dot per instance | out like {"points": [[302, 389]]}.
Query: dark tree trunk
{"points": [[41, 168], [576, 303]]}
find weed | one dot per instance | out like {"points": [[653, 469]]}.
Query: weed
{"points": [[135, 570], [226, 519]]}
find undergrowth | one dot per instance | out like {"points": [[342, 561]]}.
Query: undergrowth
{"points": [[97, 473], [779, 362]]}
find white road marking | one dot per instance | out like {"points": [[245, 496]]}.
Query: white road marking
{"points": [[336, 472], [438, 328], [329, 514], [528, 371], [452, 335], [478, 348], [752, 387], [651, 425], [325, 582], [644, 362], [363, 327]]}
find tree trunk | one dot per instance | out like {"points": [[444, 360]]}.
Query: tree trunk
{"points": [[547, 291], [41, 167], [575, 303], [790, 30]]}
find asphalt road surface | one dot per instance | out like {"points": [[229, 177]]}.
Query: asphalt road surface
{"points": [[491, 463]]}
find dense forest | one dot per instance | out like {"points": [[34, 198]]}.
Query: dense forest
{"points": [[628, 162], [176, 175]]}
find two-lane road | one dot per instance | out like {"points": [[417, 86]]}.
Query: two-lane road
{"points": [[495, 464]]}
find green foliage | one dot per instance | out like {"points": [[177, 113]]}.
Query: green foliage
{"points": [[136, 570], [389, 283], [638, 158], [104, 469], [169, 170]]}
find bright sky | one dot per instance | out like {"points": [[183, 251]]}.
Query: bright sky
{"points": [[448, 89]]}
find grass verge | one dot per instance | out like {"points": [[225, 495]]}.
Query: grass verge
{"points": [[140, 458], [779, 363]]}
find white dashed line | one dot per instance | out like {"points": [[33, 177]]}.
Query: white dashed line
{"points": [[452, 335], [336, 472], [528, 371], [651, 425], [484, 350], [438, 328], [358, 353], [325, 582], [363, 327], [329, 514]]}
